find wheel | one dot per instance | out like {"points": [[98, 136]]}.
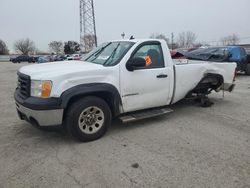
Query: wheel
{"points": [[248, 69], [88, 119]]}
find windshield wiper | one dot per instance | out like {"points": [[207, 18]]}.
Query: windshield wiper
{"points": [[98, 52], [112, 54]]}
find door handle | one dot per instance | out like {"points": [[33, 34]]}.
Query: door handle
{"points": [[162, 76]]}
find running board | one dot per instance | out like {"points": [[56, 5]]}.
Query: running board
{"points": [[145, 114]]}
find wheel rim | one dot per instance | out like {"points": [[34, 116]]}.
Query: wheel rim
{"points": [[91, 120]]}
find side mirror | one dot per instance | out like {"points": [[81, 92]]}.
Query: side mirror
{"points": [[134, 63]]}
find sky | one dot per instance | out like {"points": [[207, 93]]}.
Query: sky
{"points": [[47, 20]]}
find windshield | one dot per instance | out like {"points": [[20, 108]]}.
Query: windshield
{"points": [[108, 54]]}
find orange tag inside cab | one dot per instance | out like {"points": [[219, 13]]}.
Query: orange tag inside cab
{"points": [[148, 60]]}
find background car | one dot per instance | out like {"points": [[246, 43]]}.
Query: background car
{"points": [[23, 58], [70, 58], [59, 58], [43, 59], [76, 56]]}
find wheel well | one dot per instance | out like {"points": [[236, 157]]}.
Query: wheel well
{"points": [[209, 82], [105, 95]]}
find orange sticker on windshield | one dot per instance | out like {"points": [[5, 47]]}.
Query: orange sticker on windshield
{"points": [[148, 60]]}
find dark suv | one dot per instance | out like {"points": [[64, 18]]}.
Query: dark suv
{"points": [[23, 58]]}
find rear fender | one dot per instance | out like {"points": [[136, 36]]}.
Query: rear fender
{"points": [[210, 81]]}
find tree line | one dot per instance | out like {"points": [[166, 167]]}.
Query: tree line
{"points": [[186, 39], [27, 46]]}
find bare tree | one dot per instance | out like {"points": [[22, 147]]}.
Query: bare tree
{"points": [[186, 39], [89, 42], [56, 47], [24, 46], [230, 40], [3, 48]]}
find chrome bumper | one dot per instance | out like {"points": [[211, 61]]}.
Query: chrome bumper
{"points": [[40, 117]]}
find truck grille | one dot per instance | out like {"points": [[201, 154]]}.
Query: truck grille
{"points": [[23, 85]]}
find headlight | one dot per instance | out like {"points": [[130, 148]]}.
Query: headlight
{"points": [[41, 88]]}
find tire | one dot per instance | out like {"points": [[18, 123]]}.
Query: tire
{"points": [[248, 69], [88, 119]]}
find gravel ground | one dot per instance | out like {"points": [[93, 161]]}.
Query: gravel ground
{"points": [[191, 147]]}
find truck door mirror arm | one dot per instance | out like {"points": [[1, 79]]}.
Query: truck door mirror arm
{"points": [[136, 62]]}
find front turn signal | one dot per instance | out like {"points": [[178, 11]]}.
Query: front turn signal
{"points": [[46, 89]]}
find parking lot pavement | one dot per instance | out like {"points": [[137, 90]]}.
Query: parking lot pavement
{"points": [[192, 147]]}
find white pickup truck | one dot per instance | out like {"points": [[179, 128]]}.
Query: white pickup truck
{"points": [[129, 79]]}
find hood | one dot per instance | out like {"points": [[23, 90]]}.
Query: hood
{"points": [[47, 70]]}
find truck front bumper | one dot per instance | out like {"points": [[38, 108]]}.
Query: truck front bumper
{"points": [[40, 117], [39, 112]]}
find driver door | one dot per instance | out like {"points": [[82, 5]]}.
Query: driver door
{"points": [[148, 86]]}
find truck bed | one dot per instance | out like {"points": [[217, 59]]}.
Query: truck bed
{"points": [[188, 73]]}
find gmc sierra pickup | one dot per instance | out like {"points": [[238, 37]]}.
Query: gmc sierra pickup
{"points": [[129, 79]]}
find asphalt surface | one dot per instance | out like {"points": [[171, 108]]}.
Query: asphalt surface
{"points": [[191, 147]]}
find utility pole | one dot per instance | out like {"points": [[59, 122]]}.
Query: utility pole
{"points": [[88, 38], [172, 40]]}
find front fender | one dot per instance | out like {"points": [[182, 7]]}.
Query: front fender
{"points": [[103, 90]]}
